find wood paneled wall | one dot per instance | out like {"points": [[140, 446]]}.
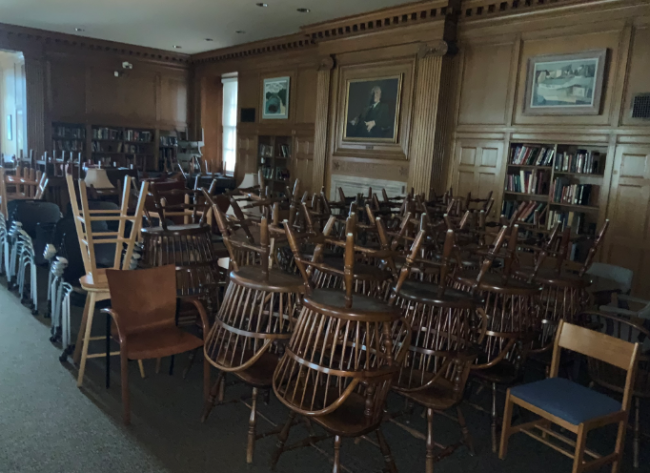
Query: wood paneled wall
{"points": [[71, 79], [493, 59]]}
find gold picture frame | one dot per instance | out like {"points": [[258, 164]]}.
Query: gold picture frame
{"points": [[386, 109]]}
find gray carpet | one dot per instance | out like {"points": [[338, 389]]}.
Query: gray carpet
{"points": [[48, 425]]}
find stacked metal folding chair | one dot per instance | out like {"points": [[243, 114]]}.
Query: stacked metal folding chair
{"points": [[24, 248]]}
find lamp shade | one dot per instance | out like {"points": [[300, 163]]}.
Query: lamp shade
{"points": [[250, 180], [98, 179]]}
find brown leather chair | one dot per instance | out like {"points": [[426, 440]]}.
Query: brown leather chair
{"points": [[144, 314]]}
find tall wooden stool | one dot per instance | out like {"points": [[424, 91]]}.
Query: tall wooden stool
{"points": [[340, 362]]}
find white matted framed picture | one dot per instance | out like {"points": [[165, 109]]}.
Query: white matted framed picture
{"points": [[567, 84], [275, 103]]}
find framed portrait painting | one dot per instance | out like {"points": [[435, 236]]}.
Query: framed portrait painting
{"points": [[372, 109], [276, 98], [568, 84]]}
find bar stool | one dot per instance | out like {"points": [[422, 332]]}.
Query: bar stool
{"points": [[512, 309], [254, 322], [448, 326], [95, 282], [340, 362]]}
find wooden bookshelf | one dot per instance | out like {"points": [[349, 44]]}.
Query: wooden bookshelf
{"points": [[124, 147], [562, 182], [69, 138], [274, 155], [167, 150]]}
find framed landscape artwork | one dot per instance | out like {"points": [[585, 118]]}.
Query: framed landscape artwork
{"points": [[372, 109], [568, 84], [276, 98]]}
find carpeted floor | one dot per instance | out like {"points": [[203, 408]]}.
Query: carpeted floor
{"points": [[48, 425]]}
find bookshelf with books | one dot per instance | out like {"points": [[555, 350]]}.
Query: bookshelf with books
{"points": [[123, 146], [69, 138], [555, 183], [167, 150], [274, 155]]}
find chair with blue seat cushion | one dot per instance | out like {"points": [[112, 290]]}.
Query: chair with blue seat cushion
{"points": [[572, 406]]}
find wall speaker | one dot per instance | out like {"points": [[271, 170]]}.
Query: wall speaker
{"points": [[641, 106], [248, 115]]}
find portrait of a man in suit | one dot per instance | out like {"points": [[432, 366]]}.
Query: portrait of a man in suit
{"points": [[372, 108]]}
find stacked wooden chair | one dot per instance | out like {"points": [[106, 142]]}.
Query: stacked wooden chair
{"points": [[255, 320], [95, 282], [448, 326], [343, 357]]}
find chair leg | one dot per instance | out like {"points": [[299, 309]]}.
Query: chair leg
{"points": [[282, 439], [637, 431], [620, 445], [86, 338], [467, 436], [141, 366], [505, 429], [251, 428], [213, 396], [206, 378], [76, 357], [581, 443], [385, 451], [430, 456], [126, 406], [494, 417], [337, 455]]}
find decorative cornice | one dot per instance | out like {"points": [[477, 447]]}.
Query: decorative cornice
{"points": [[479, 9], [52, 40], [409, 14], [274, 45]]}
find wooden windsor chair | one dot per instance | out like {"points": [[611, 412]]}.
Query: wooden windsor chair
{"points": [[369, 277], [184, 239], [512, 309], [20, 184], [448, 326], [95, 282], [612, 378], [254, 322], [340, 362]]}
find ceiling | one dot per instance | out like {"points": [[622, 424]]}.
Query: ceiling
{"points": [[164, 23]]}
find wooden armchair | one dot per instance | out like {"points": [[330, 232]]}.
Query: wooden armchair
{"points": [[341, 361], [572, 406], [143, 308]]}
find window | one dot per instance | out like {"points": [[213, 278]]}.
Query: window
{"points": [[229, 120]]}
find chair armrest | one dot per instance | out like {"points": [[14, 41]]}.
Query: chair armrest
{"points": [[619, 311], [120, 330], [202, 313]]}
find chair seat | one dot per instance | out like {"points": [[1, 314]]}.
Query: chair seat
{"points": [[363, 272], [278, 281], [331, 301], [493, 282], [439, 396], [260, 375], [567, 400], [160, 343], [98, 283], [348, 420], [550, 277], [427, 293], [504, 373]]}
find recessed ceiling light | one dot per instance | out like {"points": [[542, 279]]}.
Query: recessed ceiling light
{"points": [[209, 39], [304, 10], [263, 5], [79, 30], [176, 46], [240, 32]]}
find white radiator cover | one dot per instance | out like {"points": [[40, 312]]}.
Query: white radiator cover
{"points": [[353, 185]]}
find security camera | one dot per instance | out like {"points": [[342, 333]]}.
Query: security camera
{"points": [[127, 65]]}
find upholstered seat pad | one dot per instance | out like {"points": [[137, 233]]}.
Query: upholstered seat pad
{"points": [[567, 400]]}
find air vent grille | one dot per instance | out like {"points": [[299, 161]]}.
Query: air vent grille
{"points": [[641, 106]]}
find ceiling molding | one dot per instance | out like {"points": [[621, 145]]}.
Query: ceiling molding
{"points": [[273, 45], [484, 9], [393, 17], [11, 34]]}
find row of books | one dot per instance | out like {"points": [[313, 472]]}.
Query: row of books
{"points": [[285, 151], [105, 133], [135, 149], [137, 135], [168, 141], [279, 173], [530, 155], [266, 150], [528, 210], [574, 220], [528, 182], [582, 162], [68, 145], [68, 133], [118, 148], [566, 193]]}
